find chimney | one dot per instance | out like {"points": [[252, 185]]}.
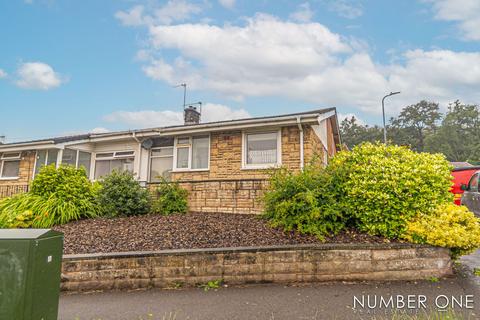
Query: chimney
{"points": [[191, 115]]}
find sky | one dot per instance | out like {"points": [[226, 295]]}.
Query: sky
{"points": [[69, 67]]}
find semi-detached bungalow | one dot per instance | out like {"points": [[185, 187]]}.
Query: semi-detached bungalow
{"points": [[224, 165]]}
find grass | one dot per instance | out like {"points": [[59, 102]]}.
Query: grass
{"points": [[214, 284], [476, 271]]}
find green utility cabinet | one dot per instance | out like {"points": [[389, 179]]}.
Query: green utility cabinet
{"points": [[30, 267]]}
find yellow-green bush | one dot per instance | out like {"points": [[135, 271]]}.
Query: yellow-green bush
{"points": [[448, 226], [384, 186]]}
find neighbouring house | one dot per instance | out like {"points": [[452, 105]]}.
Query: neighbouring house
{"points": [[224, 165]]}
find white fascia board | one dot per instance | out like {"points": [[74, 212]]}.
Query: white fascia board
{"points": [[265, 123], [27, 147], [326, 115]]}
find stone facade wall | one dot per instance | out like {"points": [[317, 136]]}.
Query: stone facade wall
{"points": [[174, 268], [228, 188], [20, 185]]}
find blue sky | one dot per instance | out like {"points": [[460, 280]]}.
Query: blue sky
{"points": [[69, 67]]}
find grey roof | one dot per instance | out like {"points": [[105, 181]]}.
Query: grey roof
{"points": [[86, 136]]}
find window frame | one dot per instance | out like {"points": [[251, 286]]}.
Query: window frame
{"points": [[131, 154], [3, 159], [177, 146], [155, 157], [46, 159], [247, 166]]}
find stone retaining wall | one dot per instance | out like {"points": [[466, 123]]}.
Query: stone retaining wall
{"points": [[285, 264]]}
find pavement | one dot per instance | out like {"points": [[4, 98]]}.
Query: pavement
{"points": [[312, 301]]}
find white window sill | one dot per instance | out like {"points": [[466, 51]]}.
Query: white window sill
{"points": [[189, 170], [262, 167], [9, 178]]}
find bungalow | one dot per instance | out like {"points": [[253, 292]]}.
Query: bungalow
{"points": [[224, 165]]}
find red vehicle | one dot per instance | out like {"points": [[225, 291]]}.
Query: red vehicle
{"points": [[461, 176]]}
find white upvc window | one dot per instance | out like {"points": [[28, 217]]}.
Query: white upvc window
{"points": [[77, 159], [261, 150], [45, 158], [10, 165], [191, 153], [161, 163], [106, 162]]}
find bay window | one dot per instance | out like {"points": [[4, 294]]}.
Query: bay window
{"points": [[261, 149], [10, 165], [192, 153]]}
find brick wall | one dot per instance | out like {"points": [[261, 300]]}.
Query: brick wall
{"points": [[173, 268], [228, 188], [20, 185]]}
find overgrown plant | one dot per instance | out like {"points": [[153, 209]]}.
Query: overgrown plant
{"points": [[121, 194], [57, 196], [306, 202], [385, 186], [171, 199]]}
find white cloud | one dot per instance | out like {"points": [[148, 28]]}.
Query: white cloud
{"points": [[346, 8], [173, 10], [37, 75], [150, 118], [266, 56], [303, 13], [229, 4], [464, 12], [3, 74]]}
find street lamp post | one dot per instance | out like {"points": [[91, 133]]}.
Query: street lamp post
{"points": [[383, 112]]}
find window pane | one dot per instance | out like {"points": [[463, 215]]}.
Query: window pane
{"points": [[105, 167], [262, 148], [162, 152], [160, 167], [10, 169], [102, 168], [200, 148], [69, 157], [52, 156], [182, 158], [84, 160], [41, 157], [105, 155], [183, 141]]}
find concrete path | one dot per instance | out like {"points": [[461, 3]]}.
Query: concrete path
{"points": [[314, 301]]}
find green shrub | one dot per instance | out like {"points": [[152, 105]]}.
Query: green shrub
{"points": [[386, 186], [30, 210], [57, 196], [65, 182], [121, 194], [305, 201], [171, 199], [450, 226]]}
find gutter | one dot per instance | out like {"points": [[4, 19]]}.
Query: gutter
{"points": [[299, 123]]}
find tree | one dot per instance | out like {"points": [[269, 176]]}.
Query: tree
{"points": [[354, 133], [457, 135], [414, 123]]}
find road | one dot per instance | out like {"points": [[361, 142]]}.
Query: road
{"points": [[313, 301]]}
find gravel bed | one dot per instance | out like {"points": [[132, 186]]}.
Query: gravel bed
{"points": [[193, 230]]}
